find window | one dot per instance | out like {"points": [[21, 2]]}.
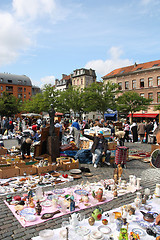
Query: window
{"points": [[133, 84], [77, 72], [24, 89], [77, 81], [158, 97], [81, 81], [1, 79], [81, 71], [9, 81], [19, 95], [142, 83], [1, 87], [29, 93], [142, 94], [150, 96], [20, 81], [155, 65], [1, 94], [9, 88], [158, 81], [122, 71], [24, 95], [126, 85], [150, 82], [120, 85], [20, 89], [139, 68], [74, 82]]}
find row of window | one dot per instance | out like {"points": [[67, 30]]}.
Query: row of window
{"points": [[141, 83], [10, 81], [10, 88], [19, 95], [78, 81], [150, 96]]}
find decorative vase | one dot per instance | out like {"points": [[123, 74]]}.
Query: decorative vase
{"points": [[119, 223], [91, 221], [38, 208], [138, 183], [138, 200], [99, 194]]}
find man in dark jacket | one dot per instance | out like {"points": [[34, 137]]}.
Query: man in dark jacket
{"points": [[99, 148], [25, 147]]}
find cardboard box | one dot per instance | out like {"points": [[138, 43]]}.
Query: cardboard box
{"points": [[46, 156], [45, 169], [54, 167], [3, 151], [10, 171], [67, 166], [112, 145], [28, 169]]}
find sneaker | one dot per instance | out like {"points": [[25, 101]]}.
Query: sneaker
{"points": [[108, 163], [95, 165]]}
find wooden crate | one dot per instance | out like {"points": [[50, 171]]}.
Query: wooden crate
{"points": [[44, 169], [67, 166], [28, 169], [10, 171]]}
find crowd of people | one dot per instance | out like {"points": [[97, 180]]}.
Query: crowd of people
{"points": [[123, 131]]}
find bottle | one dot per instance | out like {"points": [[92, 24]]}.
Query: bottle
{"points": [[138, 200]]}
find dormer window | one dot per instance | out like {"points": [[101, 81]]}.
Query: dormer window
{"points": [[9, 81], [155, 65]]}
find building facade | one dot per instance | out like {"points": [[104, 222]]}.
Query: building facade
{"points": [[142, 78], [63, 83], [19, 86], [83, 77]]}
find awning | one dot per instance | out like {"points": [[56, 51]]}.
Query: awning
{"points": [[109, 114], [144, 115]]}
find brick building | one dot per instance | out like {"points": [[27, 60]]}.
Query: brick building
{"points": [[142, 78], [19, 86]]}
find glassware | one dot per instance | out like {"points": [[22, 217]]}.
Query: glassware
{"points": [[111, 217]]}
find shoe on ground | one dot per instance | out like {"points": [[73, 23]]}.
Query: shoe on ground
{"points": [[108, 163], [95, 165]]}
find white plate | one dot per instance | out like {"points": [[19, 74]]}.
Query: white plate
{"points": [[27, 211], [75, 171], [30, 218], [47, 203], [83, 231], [104, 229], [139, 231], [97, 235]]}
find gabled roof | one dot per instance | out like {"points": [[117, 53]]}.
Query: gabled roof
{"points": [[133, 68], [67, 77]]}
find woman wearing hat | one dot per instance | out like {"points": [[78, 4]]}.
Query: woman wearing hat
{"points": [[26, 147]]}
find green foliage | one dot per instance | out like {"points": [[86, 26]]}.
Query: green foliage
{"points": [[132, 102], [100, 97], [9, 105]]}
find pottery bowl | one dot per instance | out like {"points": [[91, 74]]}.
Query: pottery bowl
{"points": [[117, 215], [46, 234], [148, 207]]}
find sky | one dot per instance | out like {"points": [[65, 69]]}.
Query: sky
{"points": [[44, 39]]}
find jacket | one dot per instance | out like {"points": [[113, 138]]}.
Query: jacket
{"points": [[141, 129], [96, 141]]}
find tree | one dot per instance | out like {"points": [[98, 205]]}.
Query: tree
{"points": [[9, 105], [100, 97], [132, 102], [71, 99], [42, 101]]}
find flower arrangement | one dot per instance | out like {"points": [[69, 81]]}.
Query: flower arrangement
{"points": [[134, 236]]}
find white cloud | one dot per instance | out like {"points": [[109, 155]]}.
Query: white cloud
{"points": [[103, 67], [13, 38], [146, 2], [47, 80], [35, 9]]}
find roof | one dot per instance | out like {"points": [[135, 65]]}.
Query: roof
{"points": [[133, 68], [13, 79], [67, 77]]}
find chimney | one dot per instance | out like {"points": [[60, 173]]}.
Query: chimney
{"points": [[135, 64]]}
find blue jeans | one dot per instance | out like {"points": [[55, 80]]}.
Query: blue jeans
{"points": [[99, 155]]}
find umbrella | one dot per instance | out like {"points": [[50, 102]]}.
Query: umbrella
{"points": [[31, 115]]}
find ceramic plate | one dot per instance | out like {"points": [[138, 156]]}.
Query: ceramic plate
{"points": [[104, 229], [88, 174], [97, 235], [76, 176], [81, 192], [27, 211], [30, 218], [143, 224], [58, 191], [75, 171], [139, 231], [47, 203], [83, 231]]}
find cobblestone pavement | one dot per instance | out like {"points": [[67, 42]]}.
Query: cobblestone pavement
{"points": [[10, 228]]}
